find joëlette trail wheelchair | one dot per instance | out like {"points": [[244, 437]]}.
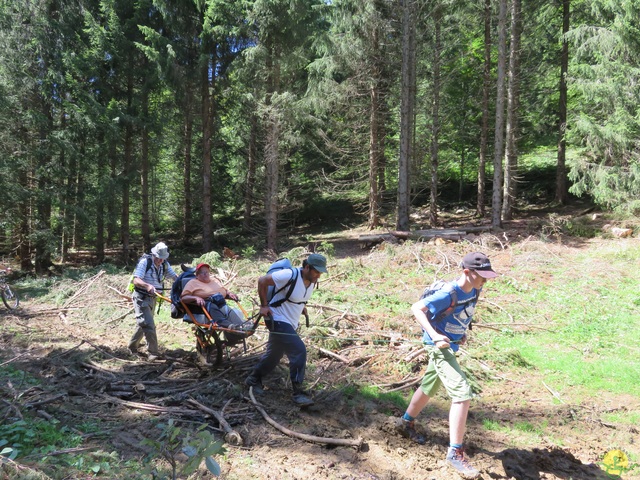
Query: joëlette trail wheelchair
{"points": [[219, 327]]}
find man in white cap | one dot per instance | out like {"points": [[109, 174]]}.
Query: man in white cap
{"points": [[148, 278], [283, 314]]}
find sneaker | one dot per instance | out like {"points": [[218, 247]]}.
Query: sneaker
{"points": [[152, 357], [457, 460], [256, 383], [133, 349], [302, 399], [408, 430]]}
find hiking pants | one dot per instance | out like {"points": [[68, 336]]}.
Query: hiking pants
{"points": [[283, 340], [143, 306]]}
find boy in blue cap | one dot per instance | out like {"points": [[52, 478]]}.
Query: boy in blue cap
{"points": [[441, 338]]}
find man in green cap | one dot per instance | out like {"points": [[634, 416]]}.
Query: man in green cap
{"points": [[282, 315]]}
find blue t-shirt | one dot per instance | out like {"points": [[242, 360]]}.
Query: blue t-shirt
{"points": [[455, 324]]}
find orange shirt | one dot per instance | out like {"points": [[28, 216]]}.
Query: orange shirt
{"points": [[203, 290]]}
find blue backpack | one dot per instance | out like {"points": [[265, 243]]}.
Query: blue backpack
{"points": [[281, 264], [450, 288]]}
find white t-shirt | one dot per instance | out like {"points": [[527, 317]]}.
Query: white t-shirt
{"points": [[290, 311]]}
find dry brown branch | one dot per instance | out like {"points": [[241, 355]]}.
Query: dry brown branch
{"points": [[410, 383], [120, 317], [553, 392], [414, 354], [45, 401], [149, 406], [329, 353], [82, 289], [123, 295], [65, 451], [13, 359], [231, 436], [352, 317], [302, 436]]}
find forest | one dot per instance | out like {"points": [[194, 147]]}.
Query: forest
{"points": [[123, 122]]}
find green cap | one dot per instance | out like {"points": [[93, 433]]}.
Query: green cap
{"points": [[317, 262]]}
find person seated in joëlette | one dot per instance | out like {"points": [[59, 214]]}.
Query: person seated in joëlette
{"points": [[198, 290]]}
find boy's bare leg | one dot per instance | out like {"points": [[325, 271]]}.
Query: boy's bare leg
{"points": [[457, 421]]}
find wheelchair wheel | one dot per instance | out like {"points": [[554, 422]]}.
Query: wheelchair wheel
{"points": [[209, 346], [9, 297]]}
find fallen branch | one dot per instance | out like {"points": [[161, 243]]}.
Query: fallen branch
{"points": [[13, 359], [410, 383], [553, 392], [82, 289], [120, 317], [127, 297], [352, 317], [302, 436], [231, 436], [329, 353]]}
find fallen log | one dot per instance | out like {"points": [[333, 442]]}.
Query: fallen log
{"points": [[302, 436], [447, 234], [231, 436]]}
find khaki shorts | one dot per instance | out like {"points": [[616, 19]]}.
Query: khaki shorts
{"points": [[444, 370]]}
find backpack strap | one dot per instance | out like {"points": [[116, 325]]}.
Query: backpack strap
{"points": [[291, 284], [453, 295]]}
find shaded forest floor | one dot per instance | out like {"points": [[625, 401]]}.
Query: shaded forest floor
{"points": [[86, 376]]}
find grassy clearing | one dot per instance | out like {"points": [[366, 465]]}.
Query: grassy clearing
{"points": [[583, 309], [562, 315]]}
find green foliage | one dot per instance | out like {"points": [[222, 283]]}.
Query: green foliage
{"points": [[211, 258], [173, 440], [603, 109], [36, 436]]}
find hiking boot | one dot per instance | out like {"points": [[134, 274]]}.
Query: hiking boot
{"points": [[256, 383], [300, 397], [408, 430], [457, 461]]}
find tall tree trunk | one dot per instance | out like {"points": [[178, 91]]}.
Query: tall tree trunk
{"points": [[484, 129], [208, 75], [463, 154], [186, 172], [498, 144], [272, 161], [144, 172], [374, 197], [43, 212], [65, 213], [113, 181], [435, 120], [511, 165], [101, 190], [252, 161], [77, 226], [561, 169], [407, 113], [22, 234], [272, 153], [126, 170]]}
